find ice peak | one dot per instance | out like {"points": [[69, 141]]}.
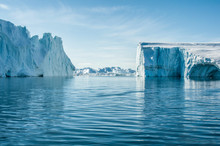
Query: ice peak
{"points": [[22, 55]]}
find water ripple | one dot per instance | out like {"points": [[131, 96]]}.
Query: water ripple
{"points": [[108, 111]]}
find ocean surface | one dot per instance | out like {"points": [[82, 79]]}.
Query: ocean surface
{"points": [[108, 111]]}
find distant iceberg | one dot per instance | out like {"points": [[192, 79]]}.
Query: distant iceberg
{"points": [[190, 60], [22, 55], [106, 71]]}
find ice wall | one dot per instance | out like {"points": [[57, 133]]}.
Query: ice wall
{"points": [[178, 60], [22, 55]]}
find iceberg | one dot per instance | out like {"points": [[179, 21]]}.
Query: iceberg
{"points": [[24, 56], [189, 60], [106, 71]]}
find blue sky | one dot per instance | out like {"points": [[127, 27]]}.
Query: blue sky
{"points": [[99, 33]]}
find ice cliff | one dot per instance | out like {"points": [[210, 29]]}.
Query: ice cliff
{"points": [[190, 60], [22, 55]]}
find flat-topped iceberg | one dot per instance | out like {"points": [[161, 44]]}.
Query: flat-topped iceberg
{"points": [[22, 55], [191, 60]]}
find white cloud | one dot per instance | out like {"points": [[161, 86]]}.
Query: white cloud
{"points": [[106, 9], [102, 38], [3, 6]]}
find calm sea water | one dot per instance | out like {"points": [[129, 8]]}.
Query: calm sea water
{"points": [[108, 110]]}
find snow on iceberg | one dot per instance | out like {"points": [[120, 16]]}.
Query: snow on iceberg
{"points": [[191, 60], [22, 55]]}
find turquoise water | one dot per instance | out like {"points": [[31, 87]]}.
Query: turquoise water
{"points": [[108, 110]]}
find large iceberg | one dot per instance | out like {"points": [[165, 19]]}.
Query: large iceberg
{"points": [[22, 55], [190, 60]]}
